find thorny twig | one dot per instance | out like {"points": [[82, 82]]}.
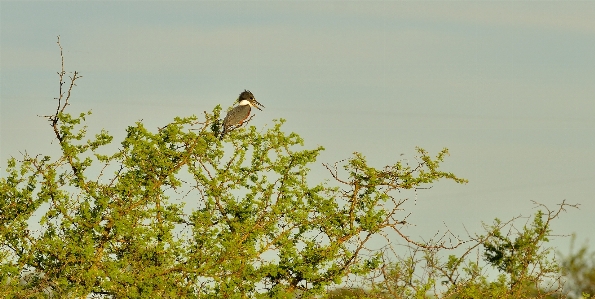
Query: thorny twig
{"points": [[445, 241], [63, 98]]}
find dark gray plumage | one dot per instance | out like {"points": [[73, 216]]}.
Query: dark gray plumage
{"points": [[236, 116]]}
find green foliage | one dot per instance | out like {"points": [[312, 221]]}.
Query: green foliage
{"points": [[518, 258], [178, 213], [518, 265], [116, 224], [579, 270], [348, 293]]}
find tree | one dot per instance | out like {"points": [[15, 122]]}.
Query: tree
{"points": [[579, 270], [115, 224], [525, 267]]}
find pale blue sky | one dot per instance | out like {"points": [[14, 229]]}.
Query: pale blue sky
{"points": [[508, 87]]}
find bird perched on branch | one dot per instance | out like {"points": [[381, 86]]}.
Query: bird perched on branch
{"points": [[236, 116]]}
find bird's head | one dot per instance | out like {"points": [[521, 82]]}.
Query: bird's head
{"points": [[246, 95]]}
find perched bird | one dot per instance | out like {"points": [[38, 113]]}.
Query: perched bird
{"points": [[236, 116]]}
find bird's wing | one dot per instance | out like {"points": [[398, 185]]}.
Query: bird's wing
{"points": [[237, 115]]}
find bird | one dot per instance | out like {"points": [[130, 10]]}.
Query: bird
{"points": [[236, 116]]}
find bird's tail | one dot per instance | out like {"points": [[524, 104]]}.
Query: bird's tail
{"points": [[222, 134]]}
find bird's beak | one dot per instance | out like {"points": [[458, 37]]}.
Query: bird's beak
{"points": [[256, 104]]}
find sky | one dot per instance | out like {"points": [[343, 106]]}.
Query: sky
{"points": [[508, 87]]}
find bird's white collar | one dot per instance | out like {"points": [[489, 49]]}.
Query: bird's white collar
{"points": [[245, 102]]}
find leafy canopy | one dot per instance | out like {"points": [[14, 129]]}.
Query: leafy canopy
{"points": [[175, 212]]}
